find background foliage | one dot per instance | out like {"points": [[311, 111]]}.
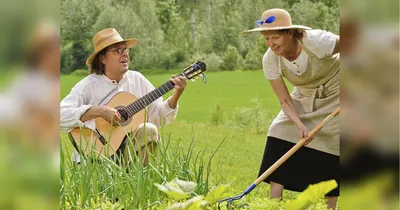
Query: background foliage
{"points": [[174, 33]]}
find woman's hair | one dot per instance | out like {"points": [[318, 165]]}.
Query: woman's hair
{"points": [[297, 33], [97, 66]]}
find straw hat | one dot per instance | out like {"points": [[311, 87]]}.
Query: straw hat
{"points": [[275, 19], [105, 38]]}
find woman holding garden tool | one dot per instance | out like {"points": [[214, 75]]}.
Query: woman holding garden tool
{"points": [[309, 60]]}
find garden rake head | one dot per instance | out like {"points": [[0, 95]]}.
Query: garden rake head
{"points": [[230, 200]]}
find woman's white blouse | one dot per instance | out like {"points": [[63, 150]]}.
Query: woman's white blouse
{"points": [[320, 42]]}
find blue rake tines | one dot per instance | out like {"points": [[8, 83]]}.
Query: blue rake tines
{"points": [[231, 199]]}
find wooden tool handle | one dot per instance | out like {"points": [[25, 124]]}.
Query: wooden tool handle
{"points": [[299, 144]]}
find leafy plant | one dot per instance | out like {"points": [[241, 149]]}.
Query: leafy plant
{"points": [[231, 60], [311, 196], [217, 116], [255, 118], [371, 192], [179, 190]]}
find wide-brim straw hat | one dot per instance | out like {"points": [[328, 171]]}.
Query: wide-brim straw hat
{"points": [[105, 38], [275, 19]]}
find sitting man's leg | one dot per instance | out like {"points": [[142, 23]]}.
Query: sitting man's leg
{"points": [[146, 140]]}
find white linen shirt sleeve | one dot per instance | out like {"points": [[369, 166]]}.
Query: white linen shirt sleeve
{"points": [[320, 42], [72, 107], [159, 112], [271, 66]]}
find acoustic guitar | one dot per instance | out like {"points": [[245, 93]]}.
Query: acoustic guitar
{"points": [[108, 139]]}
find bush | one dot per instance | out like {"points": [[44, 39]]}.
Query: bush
{"points": [[66, 59], [81, 72], [173, 59], [217, 116], [213, 62], [232, 59], [255, 119], [253, 60]]}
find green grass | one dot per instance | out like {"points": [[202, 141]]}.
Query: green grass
{"points": [[231, 89], [96, 183]]}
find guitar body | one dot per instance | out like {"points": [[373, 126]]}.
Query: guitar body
{"points": [[88, 141]]}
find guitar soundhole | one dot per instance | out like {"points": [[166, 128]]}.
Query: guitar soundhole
{"points": [[125, 119]]}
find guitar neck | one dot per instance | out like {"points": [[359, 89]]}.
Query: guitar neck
{"points": [[144, 101]]}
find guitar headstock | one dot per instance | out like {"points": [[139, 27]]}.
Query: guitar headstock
{"points": [[192, 71]]}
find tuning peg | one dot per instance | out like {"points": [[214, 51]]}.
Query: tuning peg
{"points": [[196, 77], [192, 80]]}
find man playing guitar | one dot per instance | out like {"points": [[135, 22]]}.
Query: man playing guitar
{"points": [[109, 75]]}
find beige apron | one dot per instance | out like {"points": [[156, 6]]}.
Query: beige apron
{"points": [[315, 95]]}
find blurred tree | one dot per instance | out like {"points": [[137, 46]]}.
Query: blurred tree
{"points": [[173, 33], [77, 18], [316, 15]]}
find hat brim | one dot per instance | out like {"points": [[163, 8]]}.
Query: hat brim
{"points": [[129, 42], [275, 28]]}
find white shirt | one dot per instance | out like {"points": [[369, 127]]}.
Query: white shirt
{"points": [[319, 42], [96, 90]]}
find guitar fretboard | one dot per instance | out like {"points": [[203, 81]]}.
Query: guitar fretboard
{"points": [[142, 102]]}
